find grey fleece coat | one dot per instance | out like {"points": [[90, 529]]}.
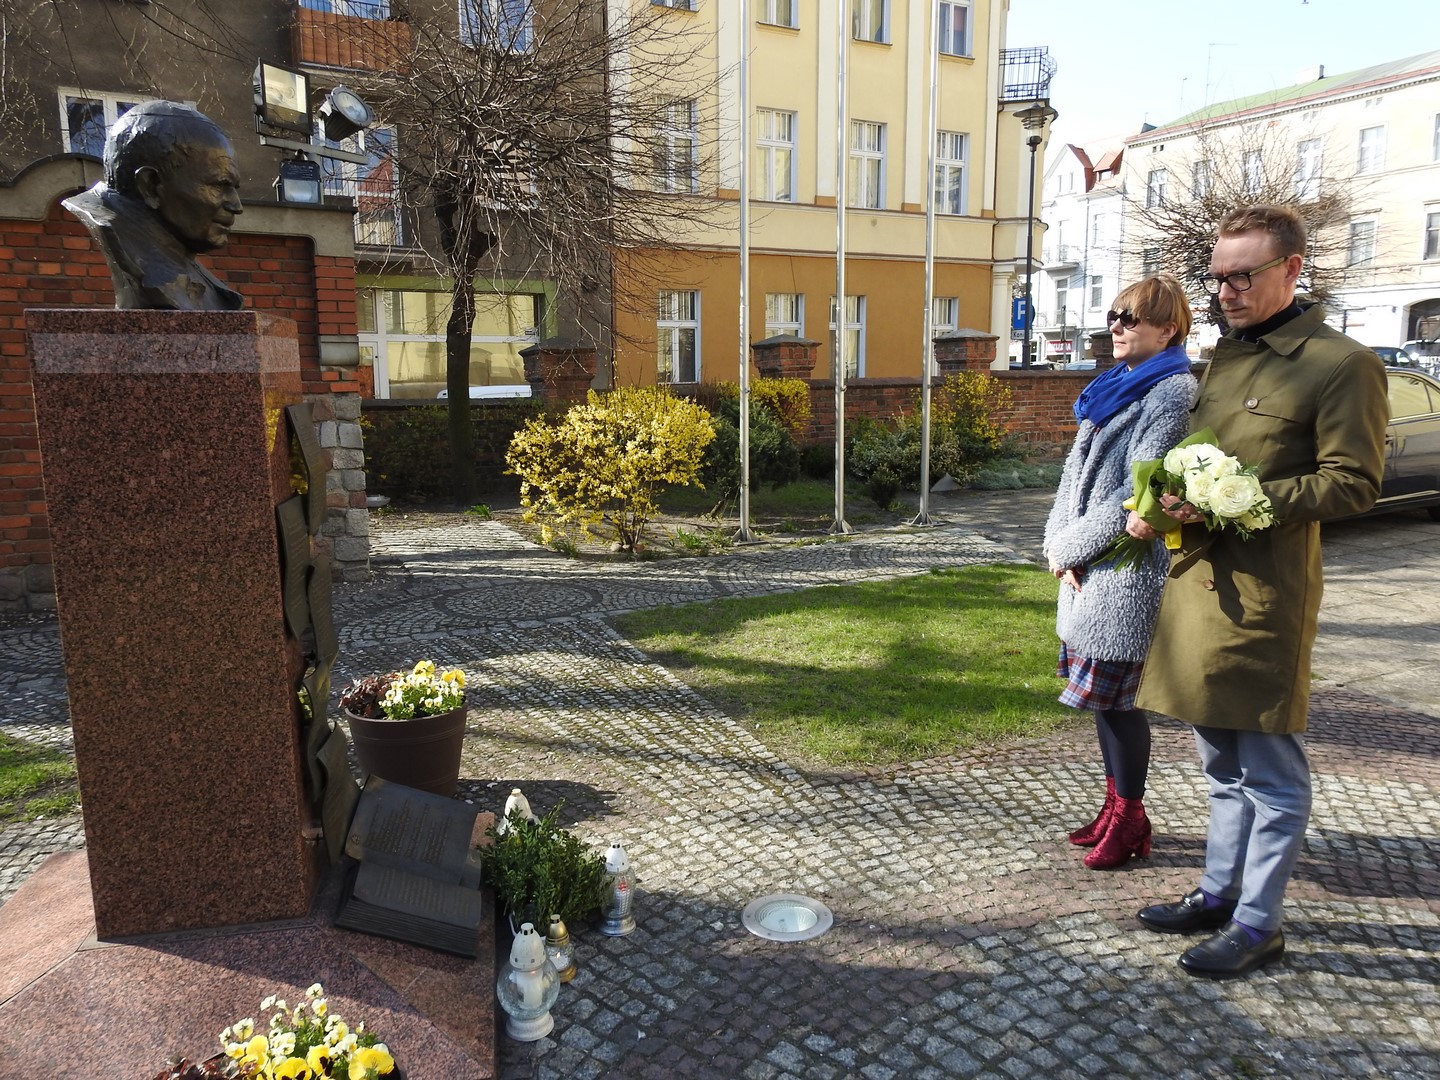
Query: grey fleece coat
{"points": [[1113, 614]]}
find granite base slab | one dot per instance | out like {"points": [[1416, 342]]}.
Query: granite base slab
{"points": [[74, 1006]]}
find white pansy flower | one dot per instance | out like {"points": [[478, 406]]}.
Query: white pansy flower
{"points": [[315, 990]]}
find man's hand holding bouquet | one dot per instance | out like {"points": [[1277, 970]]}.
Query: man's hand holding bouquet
{"points": [[1223, 492]]}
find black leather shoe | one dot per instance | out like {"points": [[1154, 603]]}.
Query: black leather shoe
{"points": [[1229, 953], [1189, 915]]}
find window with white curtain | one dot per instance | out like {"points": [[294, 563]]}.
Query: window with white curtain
{"points": [[867, 164], [951, 151], [677, 337], [854, 335], [784, 314], [774, 167]]}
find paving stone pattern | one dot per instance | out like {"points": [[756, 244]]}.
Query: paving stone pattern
{"points": [[968, 938]]}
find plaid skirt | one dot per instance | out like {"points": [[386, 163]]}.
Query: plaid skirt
{"points": [[1098, 684]]}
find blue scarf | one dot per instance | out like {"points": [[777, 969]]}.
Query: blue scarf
{"points": [[1120, 386]]}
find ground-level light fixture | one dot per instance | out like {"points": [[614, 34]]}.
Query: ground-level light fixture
{"points": [[786, 917]]}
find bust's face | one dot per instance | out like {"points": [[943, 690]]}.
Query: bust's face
{"points": [[197, 195]]}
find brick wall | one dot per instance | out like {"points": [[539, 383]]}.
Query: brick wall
{"points": [[52, 262]]}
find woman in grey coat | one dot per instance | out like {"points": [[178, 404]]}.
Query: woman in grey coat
{"points": [[1136, 411]]}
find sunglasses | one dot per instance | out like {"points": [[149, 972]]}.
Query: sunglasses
{"points": [[1126, 318]]}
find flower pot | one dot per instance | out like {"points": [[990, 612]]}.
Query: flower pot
{"points": [[421, 753]]}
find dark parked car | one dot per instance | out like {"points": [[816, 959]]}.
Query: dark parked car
{"points": [[1412, 444]]}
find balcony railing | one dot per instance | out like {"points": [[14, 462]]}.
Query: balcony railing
{"points": [[1025, 74], [1057, 255], [349, 34]]}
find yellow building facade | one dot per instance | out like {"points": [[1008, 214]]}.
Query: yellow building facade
{"points": [[677, 311]]}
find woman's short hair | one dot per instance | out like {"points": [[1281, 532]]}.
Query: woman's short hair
{"points": [[1158, 300]]}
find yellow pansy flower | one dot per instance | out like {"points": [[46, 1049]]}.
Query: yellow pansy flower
{"points": [[258, 1051], [424, 667], [456, 676], [369, 1062], [318, 1059], [293, 1069]]}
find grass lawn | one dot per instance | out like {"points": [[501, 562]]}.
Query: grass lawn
{"points": [[35, 781], [875, 673]]}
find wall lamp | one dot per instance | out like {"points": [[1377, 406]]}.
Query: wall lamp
{"points": [[282, 104]]}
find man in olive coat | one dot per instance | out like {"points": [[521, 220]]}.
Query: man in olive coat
{"points": [[1231, 653]]}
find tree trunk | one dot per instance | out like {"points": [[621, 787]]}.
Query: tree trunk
{"points": [[457, 384]]}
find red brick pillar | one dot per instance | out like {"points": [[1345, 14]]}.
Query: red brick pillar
{"points": [[785, 356], [964, 350], [1102, 347], [558, 370]]}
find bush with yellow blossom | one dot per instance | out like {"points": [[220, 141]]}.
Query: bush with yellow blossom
{"points": [[306, 1042]]}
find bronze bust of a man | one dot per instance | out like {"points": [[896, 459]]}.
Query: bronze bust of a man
{"points": [[170, 192]]}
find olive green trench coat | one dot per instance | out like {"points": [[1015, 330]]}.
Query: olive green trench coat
{"points": [[1307, 406]]}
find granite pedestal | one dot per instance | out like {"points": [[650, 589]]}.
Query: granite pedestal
{"points": [[165, 451]]}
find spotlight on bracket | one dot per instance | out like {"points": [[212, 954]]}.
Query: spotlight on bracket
{"points": [[343, 113], [282, 98], [299, 182]]}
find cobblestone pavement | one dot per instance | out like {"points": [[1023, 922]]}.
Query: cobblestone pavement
{"points": [[968, 939]]}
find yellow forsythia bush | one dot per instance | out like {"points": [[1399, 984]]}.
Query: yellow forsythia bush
{"points": [[606, 460]]}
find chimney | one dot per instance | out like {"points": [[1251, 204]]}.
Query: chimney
{"points": [[1313, 73]]}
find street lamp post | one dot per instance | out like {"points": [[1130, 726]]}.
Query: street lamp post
{"points": [[1033, 118], [1034, 143]]}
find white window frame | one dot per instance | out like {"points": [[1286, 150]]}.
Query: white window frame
{"points": [[1370, 152], [1202, 178], [358, 9], [952, 153], [1435, 140], [1430, 240], [670, 318], [773, 15], [110, 102], [854, 321], [1097, 292], [946, 36], [375, 344], [1096, 229], [678, 5], [1252, 171], [865, 14], [376, 203], [1062, 294], [677, 142], [785, 314], [505, 25], [775, 154], [1155, 184], [1150, 260], [867, 164], [1360, 244], [1309, 153]]}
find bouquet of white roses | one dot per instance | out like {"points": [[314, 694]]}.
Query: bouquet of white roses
{"points": [[1226, 494]]}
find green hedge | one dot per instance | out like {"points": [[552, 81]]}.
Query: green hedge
{"points": [[407, 453]]}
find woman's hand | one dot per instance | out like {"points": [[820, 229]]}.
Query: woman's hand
{"points": [[1139, 528], [1071, 576], [1180, 510]]}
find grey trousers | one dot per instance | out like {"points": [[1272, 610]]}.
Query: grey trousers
{"points": [[1259, 805]]}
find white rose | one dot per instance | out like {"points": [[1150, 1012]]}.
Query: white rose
{"points": [[1198, 489], [1234, 495], [1219, 465]]}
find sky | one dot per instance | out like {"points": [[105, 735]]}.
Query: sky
{"points": [[1122, 63]]}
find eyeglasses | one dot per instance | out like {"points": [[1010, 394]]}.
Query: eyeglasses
{"points": [[1126, 318], [1238, 282]]}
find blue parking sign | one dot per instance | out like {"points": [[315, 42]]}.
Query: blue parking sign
{"points": [[1017, 313]]}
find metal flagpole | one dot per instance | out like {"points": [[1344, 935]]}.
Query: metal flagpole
{"points": [[841, 156], [927, 353], [744, 532]]}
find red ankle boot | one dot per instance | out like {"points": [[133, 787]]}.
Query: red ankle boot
{"points": [[1089, 835], [1128, 835]]}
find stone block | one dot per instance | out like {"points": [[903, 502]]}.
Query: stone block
{"points": [[357, 522], [349, 435], [12, 587], [352, 479], [329, 435], [351, 548], [346, 406]]}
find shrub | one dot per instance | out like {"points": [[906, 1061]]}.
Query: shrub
{"points": [[964, 434], [774, 457], [407, 448], [606, 459], [818, 461]]}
